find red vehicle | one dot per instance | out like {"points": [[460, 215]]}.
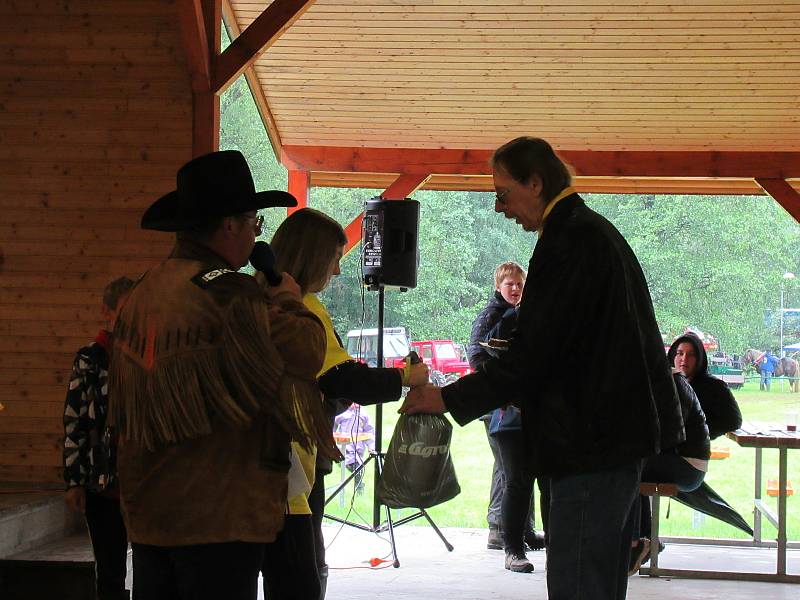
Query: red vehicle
{"points": [[443, 357]]}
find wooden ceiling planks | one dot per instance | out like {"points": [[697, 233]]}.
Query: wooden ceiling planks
{"points": [[654, 75]]}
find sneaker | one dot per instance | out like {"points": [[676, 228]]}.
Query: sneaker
{"points": [[639, 552], [495, 539], [534, 540], [518, 562]]}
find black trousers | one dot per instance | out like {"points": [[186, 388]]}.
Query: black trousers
{"points": [[289, 567], [110, 545], [199, 572], [517, 508], [316, 502]]}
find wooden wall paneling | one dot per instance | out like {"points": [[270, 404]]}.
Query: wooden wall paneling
{"points": [[97, 117]]}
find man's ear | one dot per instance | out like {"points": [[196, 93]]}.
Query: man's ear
{"points": [[535, 183], [228, 227]]}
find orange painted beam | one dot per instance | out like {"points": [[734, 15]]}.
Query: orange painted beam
{"points": [[401, 188], [299, 186], [404, 186], [259, 35], [770, 165], [353, 233], [784, 194]]}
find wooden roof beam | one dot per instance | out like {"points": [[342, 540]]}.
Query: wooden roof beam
{"points": [[253, 83], [783, 193], [769, 165], [195, 43], [200, 32], [259, 35]]}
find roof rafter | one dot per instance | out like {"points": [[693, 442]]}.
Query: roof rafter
{"points": [[195, 42], [259, 35], [783, 193], [769, 165], [253, 83]]}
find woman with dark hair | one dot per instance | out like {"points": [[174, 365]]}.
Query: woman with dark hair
{"points": [[685, 465], [688, 355], [309, 245]]}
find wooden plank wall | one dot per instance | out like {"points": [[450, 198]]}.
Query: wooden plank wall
{"points": [[95, 118]]}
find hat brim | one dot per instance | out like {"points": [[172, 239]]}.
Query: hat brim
{"points": [[168, 213]]}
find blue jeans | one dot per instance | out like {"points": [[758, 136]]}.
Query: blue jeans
{"points": [[766, 378], [590, 527]]}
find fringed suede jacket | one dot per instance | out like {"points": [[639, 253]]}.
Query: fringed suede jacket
{"points": [[209, 382]]}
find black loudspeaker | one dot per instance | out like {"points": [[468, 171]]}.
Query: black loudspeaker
{"points": [[391, 243]]}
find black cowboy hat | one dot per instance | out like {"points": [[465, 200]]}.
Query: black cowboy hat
{"points": [[209, 187]]}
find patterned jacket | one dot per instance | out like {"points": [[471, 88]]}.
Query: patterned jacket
{"points": [[87, 459]]}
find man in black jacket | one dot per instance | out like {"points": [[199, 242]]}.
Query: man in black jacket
{"points": [[588, 431]]}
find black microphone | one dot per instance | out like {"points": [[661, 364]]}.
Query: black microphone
{"points": [[263, 259]]}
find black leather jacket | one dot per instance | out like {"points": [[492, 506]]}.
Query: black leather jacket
{"points": [[697, 444], [585, 311]]}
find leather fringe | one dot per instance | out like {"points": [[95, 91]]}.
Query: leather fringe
{"points": [[240, 377]]}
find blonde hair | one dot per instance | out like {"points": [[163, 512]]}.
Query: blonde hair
{"points": [[508, 269], [305, 244]]}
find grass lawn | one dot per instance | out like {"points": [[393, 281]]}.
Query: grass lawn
{"points": [[732, 478]]}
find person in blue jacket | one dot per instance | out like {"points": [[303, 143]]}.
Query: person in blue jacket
{"points": [[769, 362]]}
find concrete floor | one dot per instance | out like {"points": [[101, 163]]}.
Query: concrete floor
{"points": [[471, 572]]}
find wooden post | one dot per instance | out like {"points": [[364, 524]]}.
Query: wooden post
{"points": [[299, 187]]}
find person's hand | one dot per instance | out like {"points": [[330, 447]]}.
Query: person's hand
{"points": [[418, 375], [287, 285], [424, 399], [75, 498]]}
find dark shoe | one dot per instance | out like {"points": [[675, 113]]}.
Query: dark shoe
{"points": [[639, 552], [518, 562], [534, 540], [495, 540]]}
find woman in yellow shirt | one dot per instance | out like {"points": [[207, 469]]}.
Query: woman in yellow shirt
{"points": [[309, 245]]}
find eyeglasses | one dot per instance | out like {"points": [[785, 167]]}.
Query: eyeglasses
{"points": [[500, 197], [258, 222]]}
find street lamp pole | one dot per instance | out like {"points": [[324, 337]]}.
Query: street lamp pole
{"points": [[786, 277]]}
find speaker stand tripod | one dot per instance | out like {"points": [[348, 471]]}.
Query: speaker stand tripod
{"points": [[377, 525]]}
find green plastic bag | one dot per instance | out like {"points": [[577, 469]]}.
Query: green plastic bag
{"points": [[418, 471]]}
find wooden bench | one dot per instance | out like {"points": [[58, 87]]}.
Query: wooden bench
{"points": [[655, 491]]}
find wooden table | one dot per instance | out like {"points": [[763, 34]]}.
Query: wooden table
{"points": [[758, 436], [767, 435]]}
